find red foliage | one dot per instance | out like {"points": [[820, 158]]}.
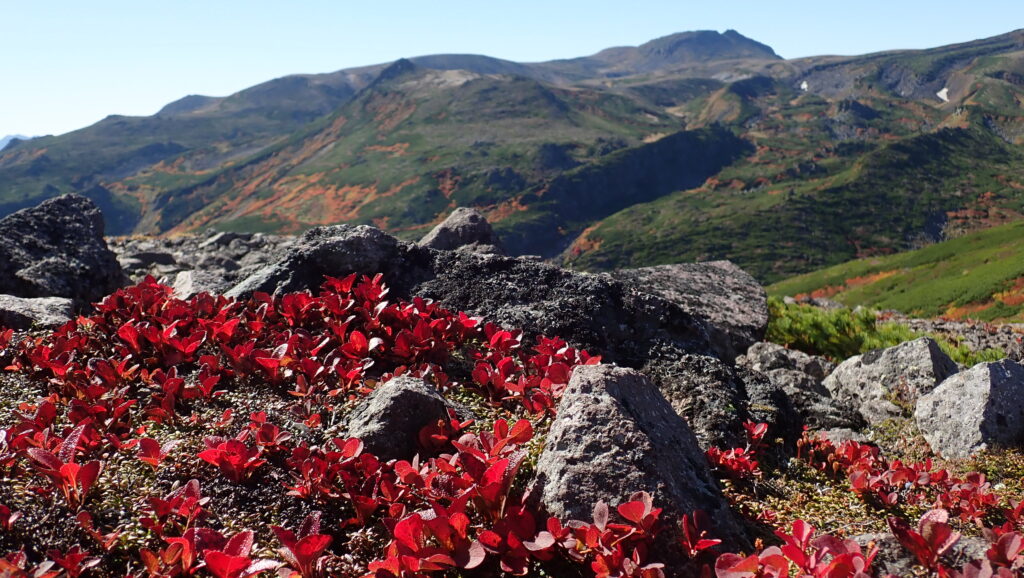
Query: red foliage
{"points": [[147, 357], [236, 460], [933, 537], [304, 550]]}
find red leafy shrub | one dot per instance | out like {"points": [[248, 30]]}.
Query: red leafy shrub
{"points": [[148, 366]]}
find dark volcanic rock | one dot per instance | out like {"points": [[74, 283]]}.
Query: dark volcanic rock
{"points": [[57, 249], [390, 419], [766, 356], [24, 313], [464, 229], [590, 311], [614, 435], [974, 410], [719, 291], [716, 398], [595, 312], [334, 251]]}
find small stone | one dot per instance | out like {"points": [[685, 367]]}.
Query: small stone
{"points": [[389, 420]]}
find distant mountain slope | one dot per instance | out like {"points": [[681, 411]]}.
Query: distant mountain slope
{"points": [[7, 139], [978, 276], [696, 145], [419, 142], [830, 210]]}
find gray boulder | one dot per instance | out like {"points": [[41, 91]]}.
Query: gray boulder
{"points": [[614, 435], [873, 383], [719, 291], [335, 251], [974, 410], [464, 229], [389, 420], [800, 375], [42, 312], [56, 249], [765, 356]]}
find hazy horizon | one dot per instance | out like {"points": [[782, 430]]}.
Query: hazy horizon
{"points": [[76, 65]]}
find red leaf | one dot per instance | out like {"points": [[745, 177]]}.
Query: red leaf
{"points": [[224, 565]]}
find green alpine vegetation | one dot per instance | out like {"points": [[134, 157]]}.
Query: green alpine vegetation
{"points": [[698, 145], [979, 275]]}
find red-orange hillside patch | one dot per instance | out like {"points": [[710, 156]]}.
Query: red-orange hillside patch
{"points": [[504, 210], [584, 244], [869, 279], [1014, 296], [967, 311]]}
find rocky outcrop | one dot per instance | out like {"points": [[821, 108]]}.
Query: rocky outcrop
{"points": [[213, 262], [800, 376], [465, 230], [974, 335], [875, 382], [57, 249], [615, 434], [40, 312], [974, 410], [390, 419], [590, 311], [335, 251], [730, 299], [596, 312]]}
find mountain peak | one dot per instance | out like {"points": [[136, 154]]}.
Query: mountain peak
{"points": [[398, 68], [704, 45], [12, 138]]}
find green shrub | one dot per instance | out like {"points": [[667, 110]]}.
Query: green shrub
{"points": [[833, 333], [842, 333]]}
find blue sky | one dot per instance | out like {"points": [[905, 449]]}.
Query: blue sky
{"points": [[65, 64]]}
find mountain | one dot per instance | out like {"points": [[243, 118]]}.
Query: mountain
{"points": [[4, 141], [698, 145], [979, 276]]}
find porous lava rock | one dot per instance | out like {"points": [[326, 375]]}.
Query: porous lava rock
{"points": [[56, 249], [465, 229], [614, 435], [40, 312], [800, 376], [715, 398], [730, 299], [873, 383], [389, 420], [974, 410]]}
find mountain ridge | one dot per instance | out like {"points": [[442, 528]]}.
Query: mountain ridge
{"points": [[399, 145]]}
